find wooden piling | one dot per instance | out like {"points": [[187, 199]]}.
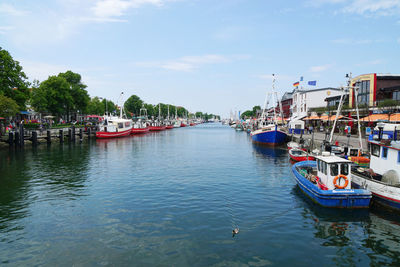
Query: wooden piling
{"points": [[69, 135], [17, 139], [21, 135], [80, 134], [48, 137], [73, 133], [10, 138], [34, 138], [89, 132], [61, 136]]}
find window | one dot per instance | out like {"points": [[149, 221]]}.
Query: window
{"points": [[398, 156], [363, 92], [120, 125], [334, 169], [324, 167], [344, 169], [375, 150], [396, 95], [384, 152], [319, 165]]}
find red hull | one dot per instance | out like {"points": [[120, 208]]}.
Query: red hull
{"points": [[183, 125], [157, 128], [192, 124], [301, 158], [139, 130], [113, 134], [169, 127]]}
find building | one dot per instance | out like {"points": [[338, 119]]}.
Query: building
{"points": [[332, 102], [374, 88], [287, 101], [303, 100]]}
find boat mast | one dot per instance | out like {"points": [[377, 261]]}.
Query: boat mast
{"points": [[273, 96], [159, 111], [168, 113], [122, 104], [339, 109]]}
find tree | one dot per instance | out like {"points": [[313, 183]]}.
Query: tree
{"points": [[8, 107], [77, 90], [13, 81], [53, 95], [95, 106], [255, 108], [247, 114], [151, 110], [133, 105]]}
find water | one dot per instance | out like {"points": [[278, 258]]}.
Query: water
{"points": [[172, 199]]}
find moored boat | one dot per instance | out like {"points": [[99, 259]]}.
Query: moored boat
{"points": [[327, 181], [272, 135], [382, 179], [297, 154]]}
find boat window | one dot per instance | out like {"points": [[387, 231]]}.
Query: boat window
{"points": [[344, 169], [318, 165], [334, 169], [384, 152], [120, 125], [375, 150], [324, 168], [398, 156], [353, 152], [127, 124]]}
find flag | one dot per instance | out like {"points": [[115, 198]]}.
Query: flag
{"points": [[313, 83], [296, 84], [301, 78]]}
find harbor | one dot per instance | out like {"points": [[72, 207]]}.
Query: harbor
{"points": [[146, 199]]}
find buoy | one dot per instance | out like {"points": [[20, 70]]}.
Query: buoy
{"points": [[235, 231]]}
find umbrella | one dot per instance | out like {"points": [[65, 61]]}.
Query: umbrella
{"points": [[1, 118], [48, 117]]}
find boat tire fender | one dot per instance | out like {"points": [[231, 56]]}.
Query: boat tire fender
{"points": [[345, 183]]}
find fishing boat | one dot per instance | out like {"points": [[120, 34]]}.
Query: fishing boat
{"points": [[382, 178], [140, 125], [297, 154], [113, 126], [157, 125], [327, 181], [269, 132], [292, 144]]}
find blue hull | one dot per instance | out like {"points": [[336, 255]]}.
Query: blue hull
{"points": [[345, 198], [272, 138], [392, 204]]}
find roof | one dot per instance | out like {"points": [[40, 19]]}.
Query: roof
{"points": [[383, 117], [287, 95], [333, 159]]}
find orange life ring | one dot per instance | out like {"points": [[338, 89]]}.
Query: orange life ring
{"points": [[345, 183]]}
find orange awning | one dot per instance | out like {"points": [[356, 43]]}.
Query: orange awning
{"points": [[395, 117], [376, 117], [331, 118], [311, 118]]}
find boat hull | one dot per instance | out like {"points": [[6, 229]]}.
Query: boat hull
{"points": [[269, 137], [382, 194], [140, 130], [343, 198], [157, 128], [169, 127], [301, 158], [113, 134]]}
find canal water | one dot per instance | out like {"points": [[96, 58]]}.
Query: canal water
{"points": [[172, 198]]}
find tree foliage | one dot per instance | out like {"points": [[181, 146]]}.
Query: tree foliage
{"points": [[133, 105], [77, 90], [8, 107], [13, 81]]}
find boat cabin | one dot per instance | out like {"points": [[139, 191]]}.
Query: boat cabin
{"points": [[333, 171], [115, 124], [385, 155], [296, 127]]}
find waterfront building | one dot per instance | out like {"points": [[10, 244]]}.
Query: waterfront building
{"points": [[305, 99], [374, 88], [287, 101]]}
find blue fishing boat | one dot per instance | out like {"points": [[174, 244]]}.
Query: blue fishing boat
{"points": [[269, 131], [327, 181], [272, 135]]}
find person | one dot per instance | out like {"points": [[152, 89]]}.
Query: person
{"points": [[310, 129]]}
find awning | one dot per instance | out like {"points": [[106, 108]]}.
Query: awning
{"points": [[376, 117], [331, 118], [24, 112], [311, 118], [1, 118], [395, 117]]}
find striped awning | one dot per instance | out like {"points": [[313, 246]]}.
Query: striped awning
{"points": [[382, 117]]}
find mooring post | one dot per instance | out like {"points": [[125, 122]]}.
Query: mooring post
{"points": [[17, 139], [61, 136], [69, 134], [21, 134], [48, 137], [73, 133], [89, 131], [34, 138], [10, 138], [80, 134]]}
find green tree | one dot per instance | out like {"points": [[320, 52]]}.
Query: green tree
{"points": [[247, 114], [8, 107], [151, 110], [95, 106], [53, 95], [77, 90], [133, 105], [13, 81]]}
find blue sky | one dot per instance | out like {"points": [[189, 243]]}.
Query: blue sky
{"points": [[207, 55]]}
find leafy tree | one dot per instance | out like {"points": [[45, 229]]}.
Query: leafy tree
{"points": [[95, 106], [53, 95], [8, 107], [77, 90], [247, 114], [151, 110], [182, 112], [133, 105], [255, 108], [13, 81]]}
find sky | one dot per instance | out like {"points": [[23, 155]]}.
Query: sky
{"points": [[213, 56]]}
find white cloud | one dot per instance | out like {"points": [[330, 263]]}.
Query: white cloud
{"points": [[349, 41], [5, 29], [370, 7], [10, 10], [189, 63], [320, 68]]}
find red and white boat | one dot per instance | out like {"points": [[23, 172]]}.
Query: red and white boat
{"points": [[157, 126], [292, 144], [297, 154], [114, 127], [140, 127]]}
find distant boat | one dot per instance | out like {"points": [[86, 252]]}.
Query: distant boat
{"points": [[297, 154], [140, 126], [327, 181]]}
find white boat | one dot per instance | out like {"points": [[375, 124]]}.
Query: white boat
{"points": [[383, 177]]}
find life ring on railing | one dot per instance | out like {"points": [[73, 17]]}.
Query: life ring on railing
{"points": [[345, 183]]}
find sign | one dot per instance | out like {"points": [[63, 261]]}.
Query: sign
{"points": [[368, 130]]}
